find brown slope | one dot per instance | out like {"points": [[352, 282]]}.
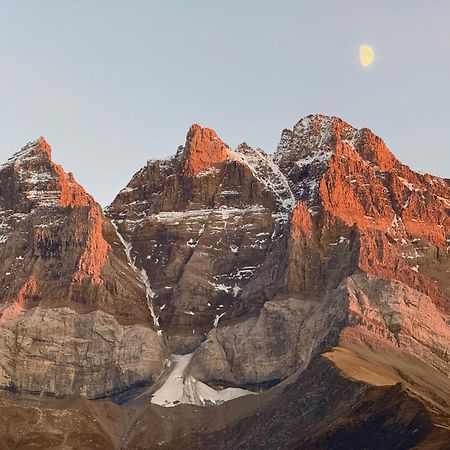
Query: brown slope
{"points": [[320, 410]]}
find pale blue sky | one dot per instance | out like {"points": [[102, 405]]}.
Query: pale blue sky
{"points": [[111, 84]]}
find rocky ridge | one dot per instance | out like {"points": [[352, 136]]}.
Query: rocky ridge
{"points": [[204, 236]]}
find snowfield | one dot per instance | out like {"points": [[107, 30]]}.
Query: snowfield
{"points": [[181, 388]]}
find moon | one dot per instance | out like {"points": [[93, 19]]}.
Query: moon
{"points": [[366, 55]]}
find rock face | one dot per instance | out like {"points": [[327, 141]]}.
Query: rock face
{"points": [[57, 252], [54, 233], [398, 316], [203, 150], [57, 351], [263, 350], [348, 176]]}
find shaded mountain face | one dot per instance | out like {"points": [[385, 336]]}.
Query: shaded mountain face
{"points": [[250, 265]]}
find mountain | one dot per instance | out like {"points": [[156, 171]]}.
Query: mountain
{"points": [[71, 306], [299, 300], [206, 226]]}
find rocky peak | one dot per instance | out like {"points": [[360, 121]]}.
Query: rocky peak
{"points": [[203, 150], [251, 265], [304, 153], [315, 138], [39, 147], [53, 230], [66, 283], [352, 173], [31, 160], [31, 179], [349, 176]]}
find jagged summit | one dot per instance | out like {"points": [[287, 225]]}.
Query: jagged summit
{"points": [[318, 136], [64, 278], [328, 163], [32, 148], [33, 179], [203, 149]]}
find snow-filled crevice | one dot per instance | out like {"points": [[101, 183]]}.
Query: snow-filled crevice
{"points": [[141, 273]]}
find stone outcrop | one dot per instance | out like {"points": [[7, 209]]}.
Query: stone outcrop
{"points": [[398, 316], [203, 150], [263, 350], [367, 233], [348, 176], [54, 232], [57, 351]]}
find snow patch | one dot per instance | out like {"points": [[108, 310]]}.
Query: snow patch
{"points": [[268, 174], [217, 318], [182, 388]]}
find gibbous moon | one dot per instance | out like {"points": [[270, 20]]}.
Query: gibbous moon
{"points": [[366, 55]]}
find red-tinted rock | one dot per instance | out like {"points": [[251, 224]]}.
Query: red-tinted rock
{"points": [[301, 222], [92, 260], [203, 150], [18, 306]]}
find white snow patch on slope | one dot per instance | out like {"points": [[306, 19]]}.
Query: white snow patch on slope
{"points": [[181, 388], [220, 287], [268, 173], [217, 318]]}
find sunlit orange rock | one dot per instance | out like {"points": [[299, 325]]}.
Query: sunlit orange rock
{"points": [[301, 223], [93, 258], [203, 150], [54, 231], [18, 305], [71, 193], [348, 177]]}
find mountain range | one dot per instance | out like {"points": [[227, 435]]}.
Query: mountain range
{"points": [[228, 299]]}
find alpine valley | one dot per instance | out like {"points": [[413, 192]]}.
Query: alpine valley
{"points": [[228, 299]]}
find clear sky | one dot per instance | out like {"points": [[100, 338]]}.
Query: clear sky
{"points": [[113, 83]]}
